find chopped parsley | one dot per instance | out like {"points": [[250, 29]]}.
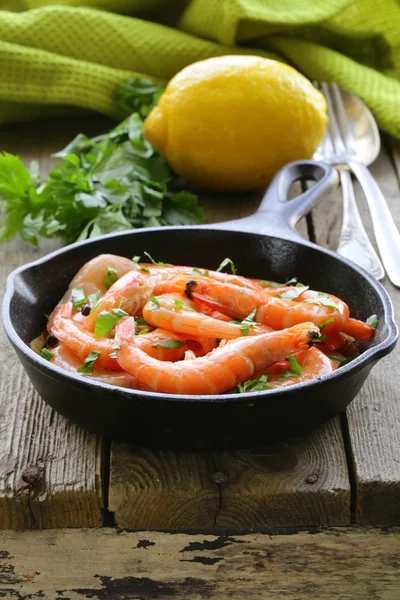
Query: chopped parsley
{"points": [[225, 263], [325, 323], [275, 284], [323, 300], [295, 292], [161, 264], [373, 321], [196, 271], [169, 344], [155, 303], [114, 352], [79, 299], [46, 354], [107, 321], [255, 385], [110, 277], [181, 305], [88, 365]]}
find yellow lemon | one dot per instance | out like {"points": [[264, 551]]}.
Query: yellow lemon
{"points": [[229, 123]]}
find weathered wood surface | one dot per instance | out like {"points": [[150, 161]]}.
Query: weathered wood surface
{"points": [[300, 482], [339, 564], [374, 416], [50, 470]]}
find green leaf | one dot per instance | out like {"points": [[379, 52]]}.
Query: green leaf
{"points": [[143, 331], [155, 303], [110, 277], [323, 300], [294, 365], [275, 284], [182, 209], [294, 292], [114, 353], [325, 323], [225, 263], [107, 321], [46, 354], [169, 344], [161, 264], [88, 365], [373, 321], [255, 385], [78, 298]]}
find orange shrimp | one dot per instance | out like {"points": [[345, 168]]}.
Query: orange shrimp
{"points": [[177, 313], [81, 341], [316, 364], [277, 313], [90, 278], [150, 343], [219, 371], [64, 358]]}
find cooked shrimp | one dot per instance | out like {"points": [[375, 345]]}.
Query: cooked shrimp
{"points": [[64, 358], [81, 341], [151, 344], [90, 278], [177, 313], [130, 293], [277, 313], [219, 371], [316, 364]]}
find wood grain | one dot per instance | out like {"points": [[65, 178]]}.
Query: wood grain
{"points": [[50, 470], [300, 482], [374, 416], [152, 489], [352, 564]]}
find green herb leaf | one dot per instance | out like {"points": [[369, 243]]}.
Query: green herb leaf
{"points": [[78, 298], [140, 321], [161, 264], [114, 353], [373, 321], [111, 182], [155, 303], [143, 331], [323, 300], [46, 354], [111, 277], [255, 385], [325, 323], [225, 263], [294, 365], [294, 292], [107, 321], [344, 362], [169, 344], [275, 284], [88, 365]]}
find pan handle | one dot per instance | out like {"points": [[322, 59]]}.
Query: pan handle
{"points": [[278, 217]]}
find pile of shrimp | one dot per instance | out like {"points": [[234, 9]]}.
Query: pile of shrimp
{"points": [[184, 330]]}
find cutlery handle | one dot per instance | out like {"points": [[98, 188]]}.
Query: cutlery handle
{"points": [[386, 233], [354, 242]]}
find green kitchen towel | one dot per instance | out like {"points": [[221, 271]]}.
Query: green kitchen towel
{"points": [[61, 57]]}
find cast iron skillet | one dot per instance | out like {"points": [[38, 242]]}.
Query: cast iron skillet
{"points": [[263, 245]]}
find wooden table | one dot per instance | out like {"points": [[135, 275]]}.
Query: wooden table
{"points": [[54, 475]]}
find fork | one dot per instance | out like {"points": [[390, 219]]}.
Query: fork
{"points": [[354, 242]]}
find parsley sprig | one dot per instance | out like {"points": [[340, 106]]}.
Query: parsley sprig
{"points": [[111, 182]]}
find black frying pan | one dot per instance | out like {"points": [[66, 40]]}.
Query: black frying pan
{"points": [[263, 245]]}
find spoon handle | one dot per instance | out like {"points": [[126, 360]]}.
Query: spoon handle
{"points": [[354, 242], [386, 233]]}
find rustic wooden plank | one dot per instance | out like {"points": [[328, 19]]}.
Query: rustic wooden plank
{"points": [[51, 471], [152, 489], [374, 416], [337, 564], [300, 482]]}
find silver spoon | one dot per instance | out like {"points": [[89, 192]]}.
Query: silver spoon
{"points": [[362, 145], [354, 242]]}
